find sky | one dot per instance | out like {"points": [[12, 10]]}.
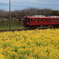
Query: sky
{"points": [[22, 4]]}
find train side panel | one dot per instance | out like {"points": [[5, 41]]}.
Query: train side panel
{"points": [[38, 21]]}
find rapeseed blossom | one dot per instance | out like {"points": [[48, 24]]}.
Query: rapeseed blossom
{"points": [[30, 44]]}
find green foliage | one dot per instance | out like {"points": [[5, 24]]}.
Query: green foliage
{"points": [[55, 13], [14, 25]]}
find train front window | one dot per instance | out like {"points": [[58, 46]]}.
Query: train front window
{"points": [[27, 20]]}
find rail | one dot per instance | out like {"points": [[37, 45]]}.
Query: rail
{"points": [[25, 29]]}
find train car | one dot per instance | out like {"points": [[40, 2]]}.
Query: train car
{"points": [[34, 22]]}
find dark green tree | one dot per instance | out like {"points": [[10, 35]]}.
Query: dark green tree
{"points": [[55, 13]]}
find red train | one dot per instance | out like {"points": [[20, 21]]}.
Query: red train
{"points": [[34, 22]]}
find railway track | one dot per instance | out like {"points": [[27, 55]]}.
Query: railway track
{"points": [[24, 29], [20, 29]]}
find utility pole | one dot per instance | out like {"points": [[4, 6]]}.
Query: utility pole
{"points": [[9, 14]]}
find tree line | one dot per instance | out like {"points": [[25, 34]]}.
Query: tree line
{"points": [[19, 14]]}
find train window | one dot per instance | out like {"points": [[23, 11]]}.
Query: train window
{"points": [[57, 20], [50, 20], [42, 20]]}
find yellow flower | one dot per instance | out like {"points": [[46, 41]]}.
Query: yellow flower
{"points": [[40, 44]]}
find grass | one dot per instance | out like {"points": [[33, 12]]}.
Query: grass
{"points": [[14, 25]]}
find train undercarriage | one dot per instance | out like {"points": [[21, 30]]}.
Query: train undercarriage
{"points": [[41, 26]]}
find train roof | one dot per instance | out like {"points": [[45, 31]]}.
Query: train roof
{"points": [[39, 17]]}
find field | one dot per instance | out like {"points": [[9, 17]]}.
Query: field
{"points": [[32, 44]]}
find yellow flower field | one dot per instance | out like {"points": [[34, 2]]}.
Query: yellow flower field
{"points": [[32, 44]]}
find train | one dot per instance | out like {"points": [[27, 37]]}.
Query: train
{"points": [[41, 21]]}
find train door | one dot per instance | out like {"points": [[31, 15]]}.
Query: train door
{"points": [[37, 21], [32, 22]]}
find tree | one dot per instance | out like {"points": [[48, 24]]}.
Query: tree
{"points": [[2, 15], [55, 13], [45, 12]]}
